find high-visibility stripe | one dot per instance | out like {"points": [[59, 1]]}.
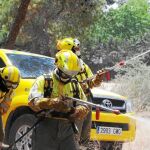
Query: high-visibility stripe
{"points": [[9, 73]]}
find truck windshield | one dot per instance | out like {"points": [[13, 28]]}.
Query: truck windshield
{"points": [[32, 66]]}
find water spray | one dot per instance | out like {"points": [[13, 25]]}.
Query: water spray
{"points": [[106, 71]]}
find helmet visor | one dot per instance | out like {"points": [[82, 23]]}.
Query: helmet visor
{"points": [[70, 73], [64, 75], [12, 85]]}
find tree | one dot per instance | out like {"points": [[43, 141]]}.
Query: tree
{"points": [[124, 30], [20, 17], [130, 21], [47, 21]]}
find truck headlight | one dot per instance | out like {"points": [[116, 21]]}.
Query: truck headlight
{"points": [[129, 106]]}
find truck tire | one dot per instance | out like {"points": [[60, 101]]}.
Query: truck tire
{"points": [[19, 127], [111, 145]]}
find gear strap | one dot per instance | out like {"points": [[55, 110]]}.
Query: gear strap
{"points": [[84, 71], [88, 90], [48, 86], [75, 87], [76, 92]]}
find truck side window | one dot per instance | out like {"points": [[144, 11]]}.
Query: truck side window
{"points": [[2, 64]]}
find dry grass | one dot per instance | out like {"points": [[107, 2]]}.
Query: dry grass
{"points": [[133, 81]]}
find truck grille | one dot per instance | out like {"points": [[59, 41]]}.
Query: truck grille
{"points": [[113, 103]]}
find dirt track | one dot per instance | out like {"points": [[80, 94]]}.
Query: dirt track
{"points": [[142, 140]]}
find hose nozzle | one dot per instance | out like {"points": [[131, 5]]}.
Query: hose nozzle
{"points": [[117, 112]]}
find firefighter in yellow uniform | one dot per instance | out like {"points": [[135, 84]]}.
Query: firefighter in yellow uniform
{"points": [[74, 46], [56, 131], [9, 80]]}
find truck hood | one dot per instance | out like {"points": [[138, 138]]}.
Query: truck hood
{"points": [[97, 92]]}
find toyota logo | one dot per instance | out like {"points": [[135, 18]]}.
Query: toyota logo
{"points": [[107, 103]]}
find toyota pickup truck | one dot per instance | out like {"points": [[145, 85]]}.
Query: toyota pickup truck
{"points": [[110, 130]]}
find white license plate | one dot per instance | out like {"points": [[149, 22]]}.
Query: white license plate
{"points": [[108, 130]]}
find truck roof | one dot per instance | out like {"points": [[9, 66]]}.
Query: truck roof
{"points": [[21, 52]]}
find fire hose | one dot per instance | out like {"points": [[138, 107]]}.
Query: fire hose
{"points": [[119, 64], [97, 106]]}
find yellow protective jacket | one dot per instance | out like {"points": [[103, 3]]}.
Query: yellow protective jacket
{"points": [[5, 100], [58, 89], [84, 74]]}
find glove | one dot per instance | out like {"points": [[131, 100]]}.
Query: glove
{"points": [[99, 77], [84, 87], [33, 104], [80, 113], [58, 104], [4, 106]]}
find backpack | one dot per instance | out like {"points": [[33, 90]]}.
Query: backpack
{"points": [[48, 87]]}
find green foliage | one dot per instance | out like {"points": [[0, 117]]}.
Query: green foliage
{"points": [[7, 8], [53, 20], [129, 21], [99, 33]]}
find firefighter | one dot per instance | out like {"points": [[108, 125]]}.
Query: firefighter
{"points": [[9, 80], [48, 92], [74, 46]]}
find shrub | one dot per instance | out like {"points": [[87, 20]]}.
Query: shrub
{"points": [[133, 81]]}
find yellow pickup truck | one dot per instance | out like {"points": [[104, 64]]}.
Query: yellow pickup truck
{"points": [[110, 130]]}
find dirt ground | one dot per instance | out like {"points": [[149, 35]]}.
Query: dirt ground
{"points": [[142, 140]]}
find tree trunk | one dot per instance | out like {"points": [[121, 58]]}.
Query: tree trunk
{"points": [[20, 17]]}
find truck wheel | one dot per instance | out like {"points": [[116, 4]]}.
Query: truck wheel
{"points": [[111, 145], [19, 127]]}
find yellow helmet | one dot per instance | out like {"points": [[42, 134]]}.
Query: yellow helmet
{"points": [[11, 76], [66, 43], [68, 62]]}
